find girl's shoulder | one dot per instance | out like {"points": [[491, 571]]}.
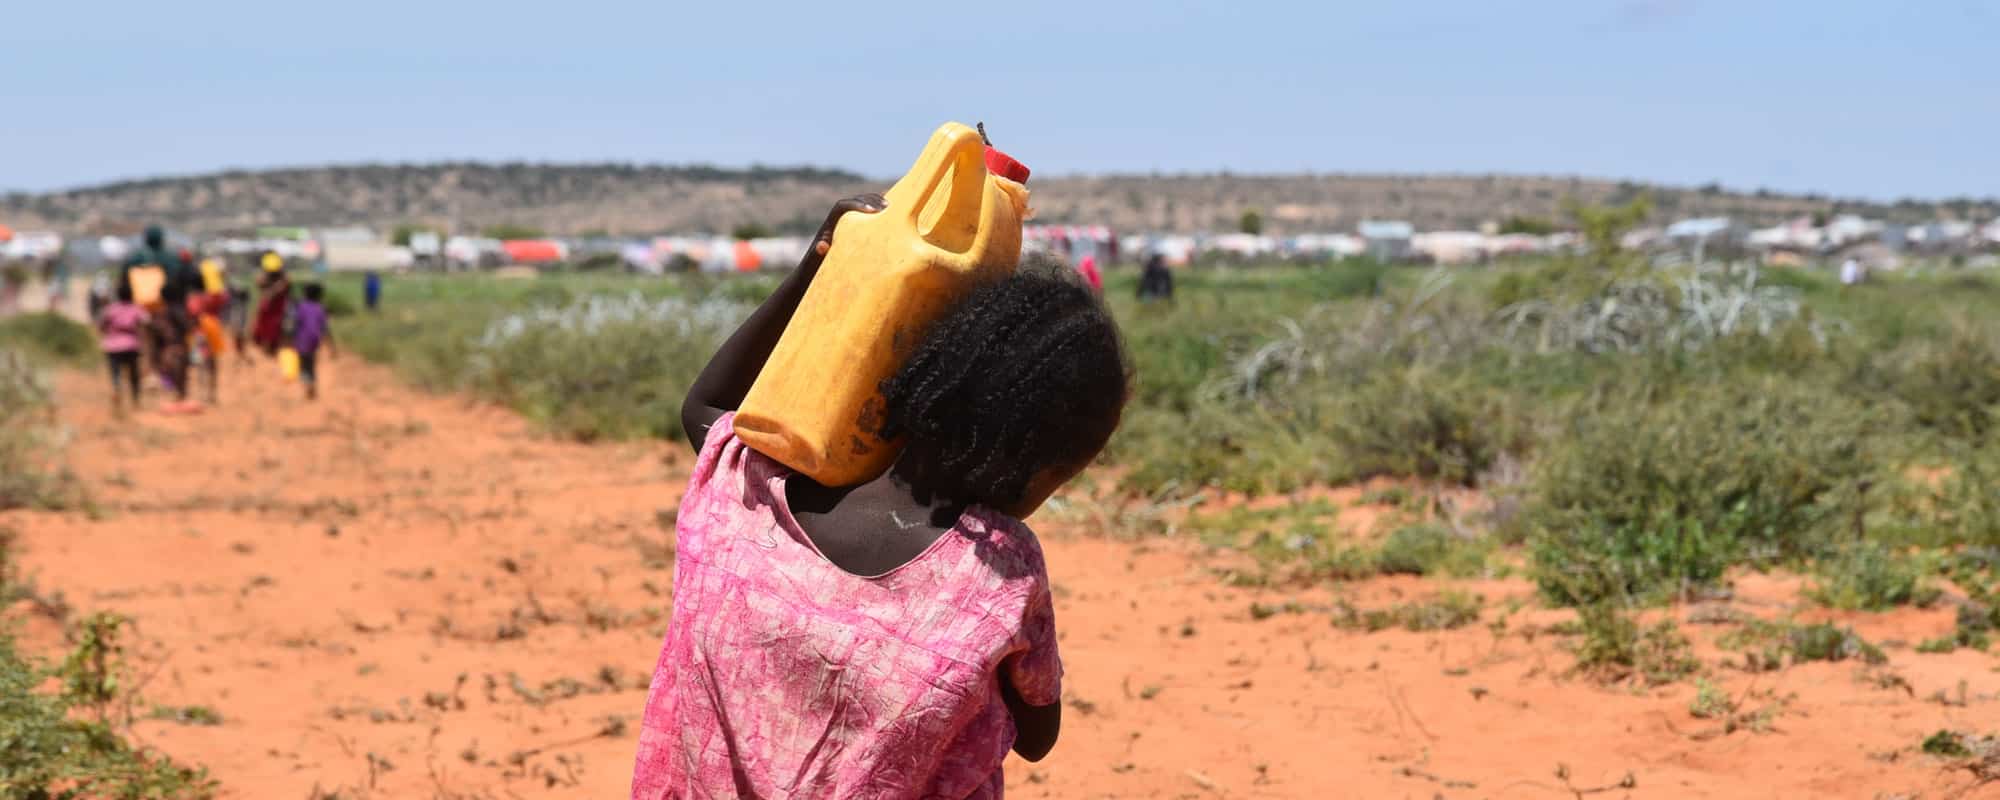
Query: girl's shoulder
{"points": [[1005, 543]]}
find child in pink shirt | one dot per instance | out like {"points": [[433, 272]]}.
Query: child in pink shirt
{"points": [[893, 639], [119, 325]]}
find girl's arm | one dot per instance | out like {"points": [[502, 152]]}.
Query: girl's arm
{"points": [[727, 378], [1035, 727]]}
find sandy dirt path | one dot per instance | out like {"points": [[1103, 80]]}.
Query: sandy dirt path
{"points": [[392, 594]]}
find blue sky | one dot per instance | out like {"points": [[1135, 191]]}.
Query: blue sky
{"points": [[1874, 100]]}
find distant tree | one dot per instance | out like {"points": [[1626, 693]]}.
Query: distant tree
{"points": [[1819, 219], [600, 261], [1604, 226], [750, 230], [1710, 188], [1536, 226], [509, 230], [1252, 222], [400, 235]]}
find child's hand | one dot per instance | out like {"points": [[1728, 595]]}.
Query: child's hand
{"points": [[866, 203]]}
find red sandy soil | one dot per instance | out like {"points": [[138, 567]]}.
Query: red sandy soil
{"points": [[392, 594]]}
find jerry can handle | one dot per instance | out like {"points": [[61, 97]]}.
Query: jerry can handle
{"points": [[966, 151]]}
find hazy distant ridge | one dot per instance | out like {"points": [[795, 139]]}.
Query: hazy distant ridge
{"points": [[637, 199]]}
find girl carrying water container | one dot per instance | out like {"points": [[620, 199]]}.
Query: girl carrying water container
{"points": [[893, 638]]}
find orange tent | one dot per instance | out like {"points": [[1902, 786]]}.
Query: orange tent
{"points": [[747, 259], [532, 251], [6, 233]]}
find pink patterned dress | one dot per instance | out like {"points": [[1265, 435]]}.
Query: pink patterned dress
{"points": [[783, 675]]}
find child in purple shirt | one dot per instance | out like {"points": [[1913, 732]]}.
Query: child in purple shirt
{"points": [[309, 331]]}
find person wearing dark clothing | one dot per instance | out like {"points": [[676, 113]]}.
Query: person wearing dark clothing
{"points": [[167, 332], [371, 289], [155, 253], [274, 298], [1155, 282]]}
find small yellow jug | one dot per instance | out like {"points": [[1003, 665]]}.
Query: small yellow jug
{"points": [[950, 225], [288, 363], [211, 276]]}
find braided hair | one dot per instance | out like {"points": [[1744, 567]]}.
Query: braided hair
{"points": [[1024, 375]]}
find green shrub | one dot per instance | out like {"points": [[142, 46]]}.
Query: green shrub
{"points": [[547, 294], [1644, 496], [1950, 383], [428, 347], [1982, 751], [1771, 645], [1445, 611], [1614, 647], [338, 303], [31, 474], [1803, 280], [1946, 744], [1248, 450], [60, 744], [1710, 702], [49, 336], [1172, 367], [1942, 644], [603, 366], [1417, 423], [615, 368], [1349, 563], [1430, 548], [1868, 576], [1975, 624], [1347, 278], [1522, 285]]}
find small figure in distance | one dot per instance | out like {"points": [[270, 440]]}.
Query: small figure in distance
{"points": [[1155, 281], [310, 329]]}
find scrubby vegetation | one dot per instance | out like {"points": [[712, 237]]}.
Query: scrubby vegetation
{"points": [[48, 337], [1641, 430], [63, 727], [586, 364], [31, 473]]}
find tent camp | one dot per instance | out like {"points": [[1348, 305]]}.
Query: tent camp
{"points": [[1388, 240], [534, 251]]}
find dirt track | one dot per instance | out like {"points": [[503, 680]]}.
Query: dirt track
{"points": [[391, 594]]}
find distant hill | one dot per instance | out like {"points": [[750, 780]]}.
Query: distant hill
{"points": [[629, 199]]}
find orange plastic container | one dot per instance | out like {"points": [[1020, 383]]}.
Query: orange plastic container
{"points": [[147, 282], [949, 226]]}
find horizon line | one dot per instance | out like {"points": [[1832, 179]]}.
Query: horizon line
{"points": [[844, 173]]}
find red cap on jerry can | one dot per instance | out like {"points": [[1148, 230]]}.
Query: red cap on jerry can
{"points": [[1005, 166]]}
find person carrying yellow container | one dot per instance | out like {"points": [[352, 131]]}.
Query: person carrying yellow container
{"points": [[153, 266], [951, 223], [1008, 385]]}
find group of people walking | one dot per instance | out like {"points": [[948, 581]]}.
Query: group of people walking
{"points": [[165, 313]]}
